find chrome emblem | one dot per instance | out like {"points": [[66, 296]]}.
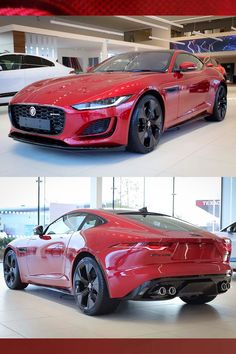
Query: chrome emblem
{"points": [[32, 111]]}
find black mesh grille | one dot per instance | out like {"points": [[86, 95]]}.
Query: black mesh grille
{"points": [[97, 127], [45, 120]]}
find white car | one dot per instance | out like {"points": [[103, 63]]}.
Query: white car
{"points": [[19, 70], [230, 232]]}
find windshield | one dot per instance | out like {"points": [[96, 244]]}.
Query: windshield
{"points": [[163, 222], [143, 61]]}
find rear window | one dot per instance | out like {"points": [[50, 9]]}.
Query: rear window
{"points": [[162, 222]]}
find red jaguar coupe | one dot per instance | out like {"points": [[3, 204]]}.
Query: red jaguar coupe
{"points": [[103, 257], [125, 102]]}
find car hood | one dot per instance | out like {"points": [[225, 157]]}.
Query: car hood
{"points": [[71, 90]]}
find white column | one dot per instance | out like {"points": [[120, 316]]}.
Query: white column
{"points": [[6, 42], [228, 201], [104, 52], [96, 193]]}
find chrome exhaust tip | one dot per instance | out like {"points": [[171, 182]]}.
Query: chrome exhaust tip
{"points": [[224, 286], [172, 290], [162, 291]]}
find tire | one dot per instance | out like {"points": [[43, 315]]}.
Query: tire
{"points": [[197, 299], [90, 289], [12, 273], [146, 125], [220, 105]]}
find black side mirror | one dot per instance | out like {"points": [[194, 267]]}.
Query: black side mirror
{"points": [[38, 230]]}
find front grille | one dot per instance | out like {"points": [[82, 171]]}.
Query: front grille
{"points": [[44, 120]]}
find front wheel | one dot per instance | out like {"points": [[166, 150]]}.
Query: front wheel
{"points": [[90, 289], [197, 299], [11, 272], [146, 125], [220, 105]]}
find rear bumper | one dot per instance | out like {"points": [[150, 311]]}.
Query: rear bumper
{"points": [[169, 288]]}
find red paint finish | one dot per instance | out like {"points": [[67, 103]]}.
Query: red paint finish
{"points": [[128, 252], [184, 95]]}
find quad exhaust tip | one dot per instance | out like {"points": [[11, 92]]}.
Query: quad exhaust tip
{"points": [[164, 291], [225, 286]]}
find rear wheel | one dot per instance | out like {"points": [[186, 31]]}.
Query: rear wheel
{"points": [[90, 289], [220, 105], [146, 125], [11, 272], [197, 299]]}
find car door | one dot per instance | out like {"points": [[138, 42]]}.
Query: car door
{"points": [[37, 68], [193, 87], [46, 254], [11, 76]]}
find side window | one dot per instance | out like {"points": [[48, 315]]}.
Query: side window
{"points": [[91, 221], [31, 62], [46, 62], [10, 62], [67, 224], [182, 57]]}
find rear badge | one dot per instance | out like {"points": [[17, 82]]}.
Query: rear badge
{"points": [[32, 111]]}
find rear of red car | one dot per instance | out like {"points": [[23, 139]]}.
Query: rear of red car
{"points": [[179, 260]]}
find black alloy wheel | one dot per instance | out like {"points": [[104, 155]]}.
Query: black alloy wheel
{"points": [[220, 105], [90, 289], [11, 272], [146, 125]]}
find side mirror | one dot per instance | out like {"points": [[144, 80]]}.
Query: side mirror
{"points": [[209, 65], [187, 66], [89, 68], [38, 230]]}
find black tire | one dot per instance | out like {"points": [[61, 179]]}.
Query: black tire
{"points": [[11, 272], [90, 289], [146, 125], [220, 105], [197, 299]]}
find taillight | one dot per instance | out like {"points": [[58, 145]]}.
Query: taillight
{"points": [[228, 248], [158, 246]]}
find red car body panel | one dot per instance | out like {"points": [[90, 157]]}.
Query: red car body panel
{"points": [[126, 251], [183, 95]]}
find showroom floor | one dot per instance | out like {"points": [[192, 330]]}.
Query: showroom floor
{"points": [[42, 313], [194, 149]]}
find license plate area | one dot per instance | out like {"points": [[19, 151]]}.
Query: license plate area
{"points": [[196, 251], [35, 123]]}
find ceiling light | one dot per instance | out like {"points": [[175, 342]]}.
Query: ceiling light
{"points": [[55, 22], [166, 40], [142, 22], [207, 36], [233, 28], [192, 18], [160, 19]]}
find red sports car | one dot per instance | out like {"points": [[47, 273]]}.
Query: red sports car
{"points": [[103, 257], [127, 101]]}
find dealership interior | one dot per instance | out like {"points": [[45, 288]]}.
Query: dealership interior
{"points": [[82, 42], [37, 312]]}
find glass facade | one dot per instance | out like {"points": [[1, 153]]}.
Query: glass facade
{"points": [[26, 202]]}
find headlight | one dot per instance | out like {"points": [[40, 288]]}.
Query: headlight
{"points": [[104, 103]]}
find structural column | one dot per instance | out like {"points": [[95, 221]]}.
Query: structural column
{"points": [[228, 201], [96, 193]]}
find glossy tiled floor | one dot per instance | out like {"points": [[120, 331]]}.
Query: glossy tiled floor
{"points": [[196, 149], [37, 312]]}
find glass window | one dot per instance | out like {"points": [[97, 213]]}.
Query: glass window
{"points": [[162, 222], [10, 62], [67, 224], [138, 61], [182, 57], [31, 62], [46, 62], [159, 194], [91, 221], [198, 200]]}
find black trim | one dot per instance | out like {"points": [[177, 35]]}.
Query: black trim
{"points": [[172, 89], [57, 144], [185, 286]]}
